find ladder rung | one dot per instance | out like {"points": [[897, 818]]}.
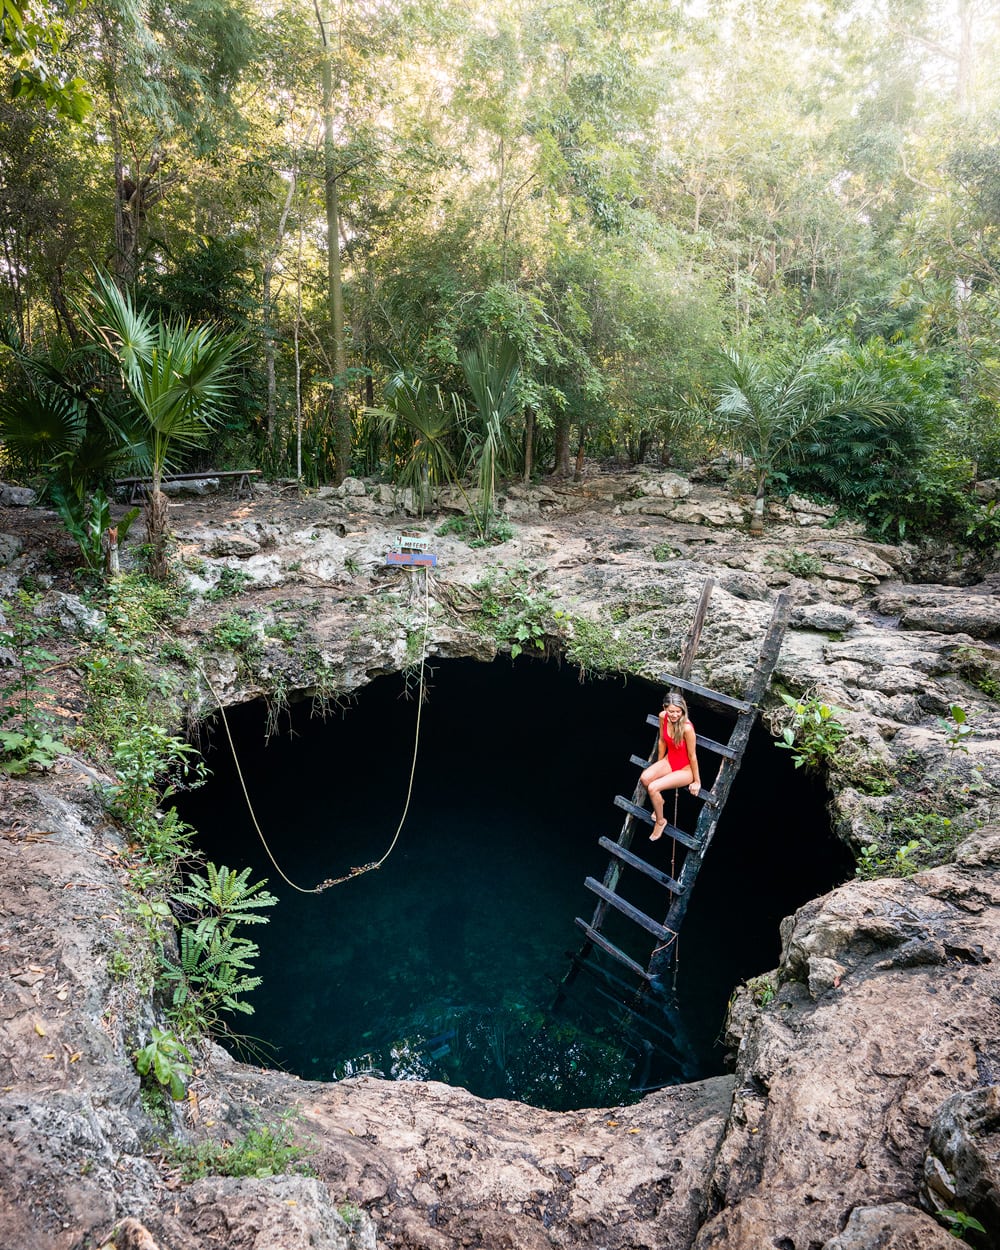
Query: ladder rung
{"points": [[710, 696], [610, 949], [633, 860], [605, 975], [719, 748], [640, 813], [631, 913], [669, 1042]]}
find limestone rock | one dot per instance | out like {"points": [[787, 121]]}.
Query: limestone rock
{"points": [[351, 488], [828, 617], [962, 1168], [233, 545], [10, 548], [891, 1226], [808, 506], [195, 488], [944, 610], [835, 1093], [16, 496], [988, 491], [270, 1213]]}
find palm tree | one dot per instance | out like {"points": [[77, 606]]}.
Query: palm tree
{"points": [[768, 410], [177, 375], [492, 372], [420, 421], [61, 422]]}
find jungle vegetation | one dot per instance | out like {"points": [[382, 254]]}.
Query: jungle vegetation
{"points": [[441, 240]]}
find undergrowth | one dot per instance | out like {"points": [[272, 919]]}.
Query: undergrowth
{"points": [[267, 1150]]}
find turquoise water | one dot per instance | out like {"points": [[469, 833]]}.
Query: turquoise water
{"points": [[444, 963]]}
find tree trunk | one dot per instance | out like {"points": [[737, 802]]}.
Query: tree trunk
{"points": [[156, 530], [562, 445], [267, 309], [529, 444], [339, 415], [757, 516]]}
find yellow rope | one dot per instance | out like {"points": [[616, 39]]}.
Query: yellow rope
{"points": [[359, 871]]}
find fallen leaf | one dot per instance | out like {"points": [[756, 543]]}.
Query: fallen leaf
{"points": [[39, 1030]]}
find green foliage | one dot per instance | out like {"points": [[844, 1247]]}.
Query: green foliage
{"points": [[498, 531], [908, 843], [29, 737], [814, 735], [89, 522], [799, 563], [349, 1213], [267, 1150], [595, 647], [167, 1061], [150, 764], [772, 408], [237, 632], [231, 582], [179, 379], [215, 962], [762, 990], [421, 424], [59, 419], [959, 1223], [33, 39], [872, 467], [492, 372], [138, 606], [512, 611], [957, 729]]}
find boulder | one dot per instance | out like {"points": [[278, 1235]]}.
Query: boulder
{"points": [[17, 496], [233, 545], [891, 1226], [962, 1165], [10, 548]]}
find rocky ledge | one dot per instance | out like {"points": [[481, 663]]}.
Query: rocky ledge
{"points": [[863, 1096]]}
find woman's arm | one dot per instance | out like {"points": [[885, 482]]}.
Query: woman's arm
{"points": [[661, 746], [690, 742]]}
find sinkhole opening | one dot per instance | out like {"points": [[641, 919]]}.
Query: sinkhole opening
{"points": [[445, 963]]}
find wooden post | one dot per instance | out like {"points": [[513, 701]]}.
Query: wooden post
{"points": [[694, 634]]}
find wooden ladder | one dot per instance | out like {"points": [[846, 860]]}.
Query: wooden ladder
{"points": [[696, 844]]}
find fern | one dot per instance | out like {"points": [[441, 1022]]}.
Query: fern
{"points": [[227, 895], [215, 965]]}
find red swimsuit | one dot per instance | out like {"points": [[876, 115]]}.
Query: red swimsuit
{"points": [[677, 755]]}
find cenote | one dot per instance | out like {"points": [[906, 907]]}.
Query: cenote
{"points": [[444, 963]]}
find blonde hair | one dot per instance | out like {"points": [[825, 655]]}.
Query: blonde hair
{"points": [[674, 698]]}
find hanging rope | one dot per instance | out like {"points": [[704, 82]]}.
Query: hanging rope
{"points": [[673, 841], [358, 871]]}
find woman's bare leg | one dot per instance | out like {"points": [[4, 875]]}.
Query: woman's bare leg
{"points": [[655, 789]]}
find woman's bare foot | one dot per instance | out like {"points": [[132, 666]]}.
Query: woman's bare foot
{"points": [[658, 829]]}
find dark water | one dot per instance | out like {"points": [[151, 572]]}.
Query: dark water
{"points": [[443, 963]]}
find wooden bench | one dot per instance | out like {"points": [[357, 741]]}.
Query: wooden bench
{"points": [[138, 487]]}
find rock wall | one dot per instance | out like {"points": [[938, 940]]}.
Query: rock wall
{"points": [[864, 1087]]}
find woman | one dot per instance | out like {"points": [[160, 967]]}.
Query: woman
{"points": [[677, 760]]}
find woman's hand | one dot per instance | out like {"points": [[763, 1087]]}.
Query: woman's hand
{"points": [[694, 788]]}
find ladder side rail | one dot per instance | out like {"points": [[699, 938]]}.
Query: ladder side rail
{"points": [[708, 819], [686, 662]]}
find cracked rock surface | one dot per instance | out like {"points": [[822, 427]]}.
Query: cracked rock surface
{"points": [[863, 1093]]}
